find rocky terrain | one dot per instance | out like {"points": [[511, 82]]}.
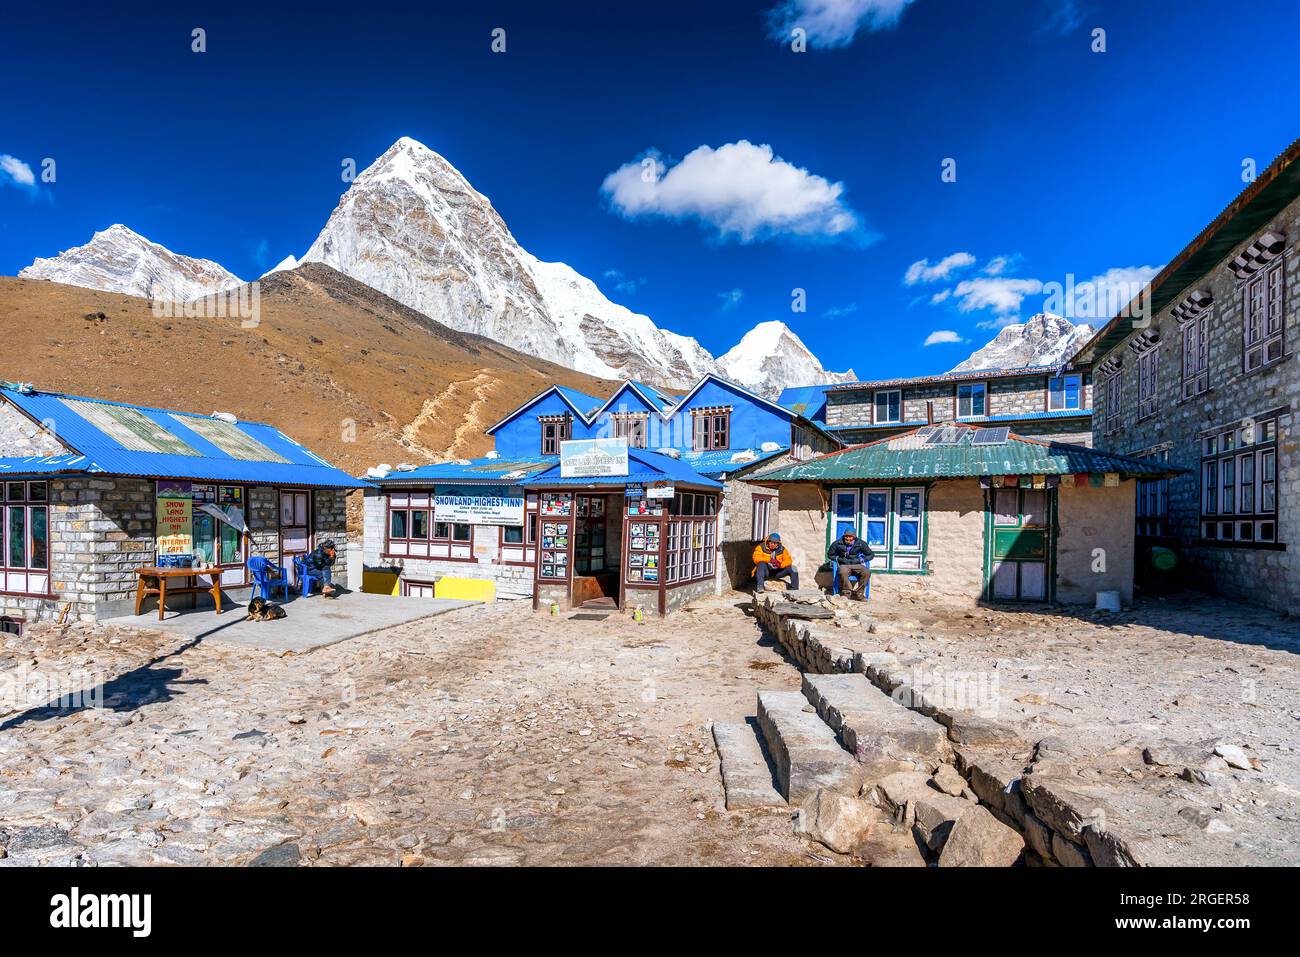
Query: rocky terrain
{"points": [[1044, 340]]}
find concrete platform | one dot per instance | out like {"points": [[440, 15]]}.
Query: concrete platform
{"points": [[310, 623]]}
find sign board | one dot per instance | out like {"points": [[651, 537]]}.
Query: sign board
{"points": [[634, 490], [660, 491], [175, 518], [479, 504], [593, 458]]}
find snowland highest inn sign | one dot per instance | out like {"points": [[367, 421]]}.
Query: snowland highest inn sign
{"points": [[593, 458]]}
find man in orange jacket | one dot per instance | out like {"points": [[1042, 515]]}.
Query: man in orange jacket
{"points": [[772, 560]]}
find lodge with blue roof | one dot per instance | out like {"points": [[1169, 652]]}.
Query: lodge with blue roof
{"points": [[94, 490], [520, 518]]}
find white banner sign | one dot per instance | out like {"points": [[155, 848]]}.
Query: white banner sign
{"points": [[593, 458], [479, 505]]}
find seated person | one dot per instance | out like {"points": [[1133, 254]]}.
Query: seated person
{"points": [[772, 560], [320, 563], [854, 557]]}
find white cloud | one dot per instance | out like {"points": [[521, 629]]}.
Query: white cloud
{"points": [[940, 336], [835, 312], [731, 299], [741, 189], [923, 271], [624, 283], [998, 265], [941, 296], [833, 23], [15, 170], [1000, 294]]}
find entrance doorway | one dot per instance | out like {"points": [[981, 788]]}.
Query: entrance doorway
{"points": [[597, 526], [1020, 544], [295, 528]]}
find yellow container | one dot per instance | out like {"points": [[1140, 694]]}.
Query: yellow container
{"points": [[473, 589]]}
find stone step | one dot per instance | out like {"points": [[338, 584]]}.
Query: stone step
{"points": [[877, 730], [748, 777], [804, 749]]}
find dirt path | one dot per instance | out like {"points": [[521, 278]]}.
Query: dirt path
{"points": [[489, 735]]}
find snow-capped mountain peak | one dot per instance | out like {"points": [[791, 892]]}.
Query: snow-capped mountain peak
{"points": [[118, 259], [288, 262], [1044, 340], [770, 357]]}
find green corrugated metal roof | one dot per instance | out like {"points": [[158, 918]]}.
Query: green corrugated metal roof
{"points": [[908, 457]]}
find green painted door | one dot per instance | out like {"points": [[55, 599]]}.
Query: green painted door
{"points": [[1019, 544]]}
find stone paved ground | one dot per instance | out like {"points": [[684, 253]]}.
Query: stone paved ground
{"points": [[488, 735], [495, 735]]}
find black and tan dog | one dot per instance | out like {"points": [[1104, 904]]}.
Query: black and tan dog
{"points": [[259, 609]]}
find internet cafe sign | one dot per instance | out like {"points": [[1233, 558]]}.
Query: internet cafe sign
{"points": [[479, 505], [593, 458]]}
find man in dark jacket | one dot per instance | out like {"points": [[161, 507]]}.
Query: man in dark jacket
{"points": [[854, 557], [320, 562]]}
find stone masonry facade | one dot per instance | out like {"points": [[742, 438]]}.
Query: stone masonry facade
{"points": [[1174, 431], [1005, 395]]}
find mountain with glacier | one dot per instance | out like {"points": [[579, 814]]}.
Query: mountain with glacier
{"points": [[1045, 339], [771, 357], [412, 227], [119, 259]]}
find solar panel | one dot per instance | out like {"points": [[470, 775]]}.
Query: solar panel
{"points": [[129, 427], [231, 439], [945, 436], [996, 436]]}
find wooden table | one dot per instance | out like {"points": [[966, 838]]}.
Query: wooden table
{"points": [[143, 591]]}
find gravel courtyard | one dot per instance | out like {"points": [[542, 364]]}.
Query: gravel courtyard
{"points": [[493, 735]]}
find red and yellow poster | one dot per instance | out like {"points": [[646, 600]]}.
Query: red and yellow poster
{"points": [[175, 518]]}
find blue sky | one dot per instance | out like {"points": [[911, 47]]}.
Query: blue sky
{"points": [[773, 170]]}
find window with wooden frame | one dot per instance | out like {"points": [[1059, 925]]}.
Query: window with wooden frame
{"points": [[711, 428], [972, 400], [692, 537], [1196, 355], [762, 516], [1148, 373], [1263, 298], [412, 531], [555, 429], [633, 426], [887, 406], [1113, 390], [1153, 507], [1239, 484], [1065, 392], [10, 625], [25, 545]]}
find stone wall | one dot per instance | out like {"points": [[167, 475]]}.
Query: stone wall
{"points": [[515, 581], [331, 522], [955, 537], [1091, 519], [736, 530], [1269, 577], [1012, 395], [802, 508]]}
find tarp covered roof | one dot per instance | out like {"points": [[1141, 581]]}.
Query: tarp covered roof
{"points": [[724, 462], [501, 470], [911, 456], [806, 400], [115, 438]]}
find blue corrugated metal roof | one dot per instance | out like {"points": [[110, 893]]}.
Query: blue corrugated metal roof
{"points": [[974, 420], [643, 467], [586, 404], [657, 396], [75, 464], [806, 400], [493, 471], [720, 461], [107, 454]]}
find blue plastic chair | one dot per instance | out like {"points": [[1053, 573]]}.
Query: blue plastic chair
{"points": [[307, 577], [835, 581], [264, 585]]}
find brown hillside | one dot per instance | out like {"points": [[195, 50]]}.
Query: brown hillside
{"points": [[328, 351]]}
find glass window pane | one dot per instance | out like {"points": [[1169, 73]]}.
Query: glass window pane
{"points": [[419, 523], [1006, 507], [231, 552], [876, 533], [877, 504], [17, 536], [513, 535], [36, 492], [205, 538], [909, 534], [397, 525], [40, 539], [462, 533], [1035, 507]]}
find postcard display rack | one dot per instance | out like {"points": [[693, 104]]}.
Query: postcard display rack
{"points": [[556, 539], [643, 560]]}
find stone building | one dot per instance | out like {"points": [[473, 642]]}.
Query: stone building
{"points": [[1200, 373], [1054, 403], [978, 511], [93, 490], [705, 445]]}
